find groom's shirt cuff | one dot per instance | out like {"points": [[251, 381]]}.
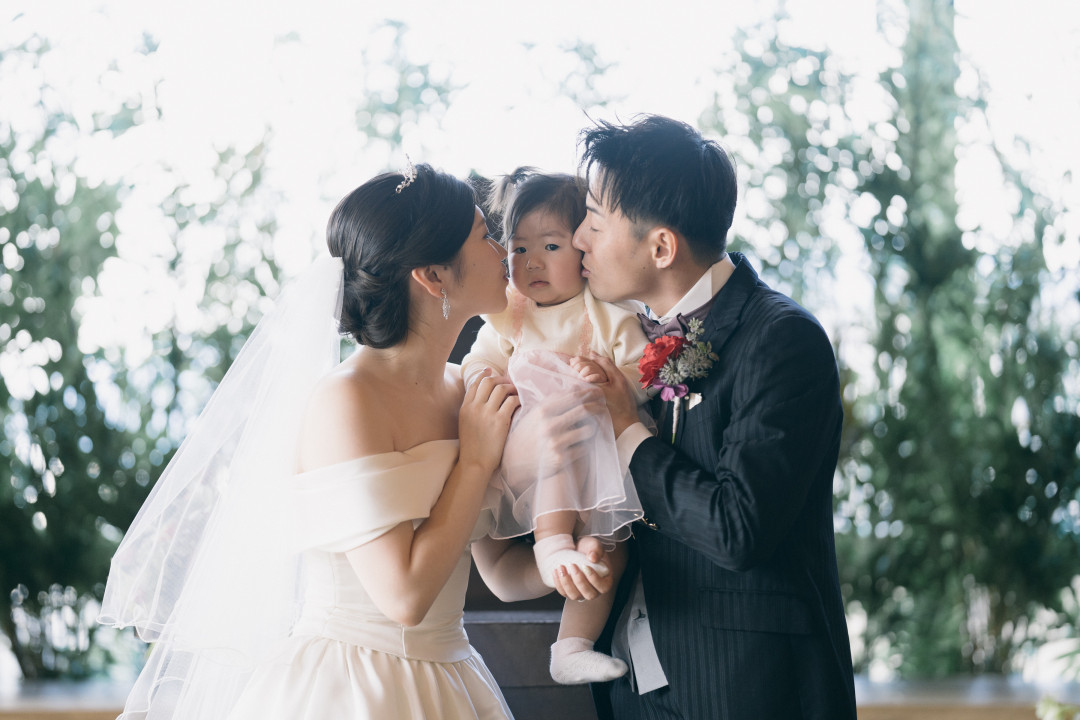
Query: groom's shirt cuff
{"points": [[627, 443]]}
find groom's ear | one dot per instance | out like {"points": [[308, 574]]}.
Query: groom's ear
{"points": [[431, 278], [665, 244]]}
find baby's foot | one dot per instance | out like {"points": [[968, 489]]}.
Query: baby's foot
{"points": [[574, 662], [556, 550], [556, 559]]}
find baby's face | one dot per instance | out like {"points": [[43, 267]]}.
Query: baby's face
{"points": [[544, 266]]}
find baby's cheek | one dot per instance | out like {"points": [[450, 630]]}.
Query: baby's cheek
{"points": [[515, 276]]}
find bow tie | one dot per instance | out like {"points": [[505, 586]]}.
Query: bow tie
{"points": [[672, 326]]}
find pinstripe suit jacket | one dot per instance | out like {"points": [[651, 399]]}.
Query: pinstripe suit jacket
{"points": [[739, 573]]}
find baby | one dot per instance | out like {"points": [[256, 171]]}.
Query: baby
{"points": [[551, 321]]}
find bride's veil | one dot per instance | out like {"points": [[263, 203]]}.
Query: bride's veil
{"points": [[207, 571]]}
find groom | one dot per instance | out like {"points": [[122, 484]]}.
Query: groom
{"points": [[732, 609]]}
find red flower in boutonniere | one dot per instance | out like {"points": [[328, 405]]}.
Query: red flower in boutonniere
{"points": [[669, 361], [656, 356]]}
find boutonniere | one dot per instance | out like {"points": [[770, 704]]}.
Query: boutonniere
{"points": [[670, 361]]}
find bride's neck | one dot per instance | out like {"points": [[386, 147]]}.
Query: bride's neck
{"points": [[419, 360]]}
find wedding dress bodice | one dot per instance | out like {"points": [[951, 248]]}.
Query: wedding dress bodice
{"points": [[389, 489], [344, 658]]}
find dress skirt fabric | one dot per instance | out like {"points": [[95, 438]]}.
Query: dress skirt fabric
{"points": [[539, 475], [316, 678]]}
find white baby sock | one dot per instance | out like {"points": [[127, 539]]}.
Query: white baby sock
{"points": [[556, 550], [574, 662]]}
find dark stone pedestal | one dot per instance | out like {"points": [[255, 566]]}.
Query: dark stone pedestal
{"points": [[515, 644]]}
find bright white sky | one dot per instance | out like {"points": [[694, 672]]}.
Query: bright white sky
{"points": [[224, 78]]}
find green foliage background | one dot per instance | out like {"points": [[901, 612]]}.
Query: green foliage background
{"points": [[958, 482], [958, 491]]}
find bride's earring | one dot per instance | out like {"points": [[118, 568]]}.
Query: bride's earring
{"points": [[445, 305]]}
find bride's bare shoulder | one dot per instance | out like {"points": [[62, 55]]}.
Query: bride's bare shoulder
{"points": [[342, 420]]}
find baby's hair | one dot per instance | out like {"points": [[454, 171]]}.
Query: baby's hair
{"points": [[527, 189]]}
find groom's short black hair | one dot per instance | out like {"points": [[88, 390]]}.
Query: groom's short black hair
{"points": [[659, 171]]}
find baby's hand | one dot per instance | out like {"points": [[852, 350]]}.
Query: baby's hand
{"points": [[481, 372], [588, 369]]}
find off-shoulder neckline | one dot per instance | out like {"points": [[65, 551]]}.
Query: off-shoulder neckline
{"points": [[369, 458]]}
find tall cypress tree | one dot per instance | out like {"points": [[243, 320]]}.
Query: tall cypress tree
{"points": [[958, 485], [971, 438]]}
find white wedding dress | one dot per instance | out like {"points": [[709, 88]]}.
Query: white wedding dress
{"points": [[344, 659]]}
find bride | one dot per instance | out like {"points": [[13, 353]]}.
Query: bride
{"points": [[305, 554]]}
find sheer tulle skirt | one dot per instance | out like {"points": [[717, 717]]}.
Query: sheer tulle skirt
{"points": [[538, 477]]}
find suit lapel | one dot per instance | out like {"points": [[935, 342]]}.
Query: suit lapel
{"points": [[727, 308], [721, 322]]}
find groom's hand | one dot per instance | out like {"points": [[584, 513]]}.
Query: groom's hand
{"points": [[618, 394], [575, 583], [569, 423]]}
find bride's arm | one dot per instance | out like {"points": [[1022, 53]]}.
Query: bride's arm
{"points": [[508, 569], [404, 570]]}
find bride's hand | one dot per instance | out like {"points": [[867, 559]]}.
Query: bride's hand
{"points": [[484, 420], [569, 422]]}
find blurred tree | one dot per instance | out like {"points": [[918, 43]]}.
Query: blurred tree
{"points": [[781, 111], [62, 462], [580, 76], [221, 259], [970, 438], [402, 95], [958, 487], [87, 429]]}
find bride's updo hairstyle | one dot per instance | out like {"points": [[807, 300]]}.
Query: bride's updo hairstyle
{"points": [[382, 231]]}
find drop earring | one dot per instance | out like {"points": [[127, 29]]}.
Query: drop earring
{"points": [[445, 305]]}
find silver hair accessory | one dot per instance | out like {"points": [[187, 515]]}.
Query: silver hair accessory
{"points": [[410, 174], [445, 305]]}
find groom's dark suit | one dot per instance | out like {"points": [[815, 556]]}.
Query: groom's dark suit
{"points": [[739, 570]]}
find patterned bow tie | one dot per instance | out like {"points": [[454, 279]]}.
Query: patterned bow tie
{"points": [[672, 326]]}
